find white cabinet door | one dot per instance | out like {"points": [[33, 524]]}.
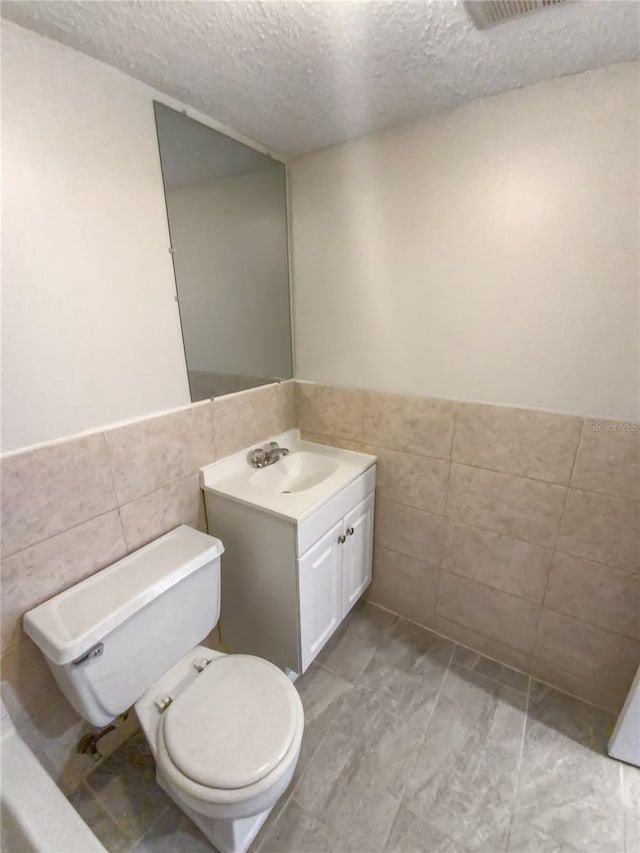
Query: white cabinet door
{"points": [[320, 579], [357, 553]]}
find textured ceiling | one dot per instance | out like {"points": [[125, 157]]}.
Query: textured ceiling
{"points": [[296, 76]]}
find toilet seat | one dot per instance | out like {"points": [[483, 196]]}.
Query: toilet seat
{"points": [[232, 734]]}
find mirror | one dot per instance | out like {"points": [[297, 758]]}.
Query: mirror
{"points": [[227, 211]]}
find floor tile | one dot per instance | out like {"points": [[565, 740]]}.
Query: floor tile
{"points": [[412, 744], [99, 820], [569, 791], [341, 749], [411, 835], [298, 832], [351, 648], [530, 839], [464, 778], [321, 692], [361, 813], [173, 832], [415, 650], [125, 785], [631, 802], [382, 721], [491, 669]]}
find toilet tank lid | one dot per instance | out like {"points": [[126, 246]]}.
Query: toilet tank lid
{"points": [[71, 623]]}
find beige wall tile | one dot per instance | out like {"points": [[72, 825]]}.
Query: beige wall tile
{"points": [[486, 645], [51, 489], [600, 595], [37, 573], [514, 506], [601, 528], [510, 620], [149, 517], [28, 687], [511, 565], [410, 531], [403, 585], [252, 416], [329, 411], [285, 405], [517, 441], [333, 441], [417, 481], [406, 422], [594, 657], [608, 459], [151, 453]]}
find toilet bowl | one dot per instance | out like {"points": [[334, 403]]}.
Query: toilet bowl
{"points": [[225, 730]]}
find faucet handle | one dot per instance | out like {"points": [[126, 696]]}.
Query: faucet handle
{"points": [[273, 445], [258, 457]]}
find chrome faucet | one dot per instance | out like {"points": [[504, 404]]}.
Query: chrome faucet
{"points": [[267, 455]]}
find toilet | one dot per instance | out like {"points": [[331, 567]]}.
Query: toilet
{"points": [[225, 730]]}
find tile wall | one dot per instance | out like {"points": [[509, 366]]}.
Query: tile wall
{"points": [[515, 532], [73, 507]]}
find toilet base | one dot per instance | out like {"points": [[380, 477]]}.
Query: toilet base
{"points": [[226, 834]]}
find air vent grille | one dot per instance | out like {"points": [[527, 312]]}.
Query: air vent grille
{"points": [[488, 13]]}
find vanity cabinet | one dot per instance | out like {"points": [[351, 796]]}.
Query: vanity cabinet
{"points": [[288, 583], [332, 575]]}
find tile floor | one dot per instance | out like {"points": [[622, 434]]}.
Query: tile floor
{"points": [[412, 743]]}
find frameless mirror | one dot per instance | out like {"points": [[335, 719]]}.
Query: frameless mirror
{"points": [[227, 211]]}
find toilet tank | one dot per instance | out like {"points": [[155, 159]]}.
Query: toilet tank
{"points": [[109, 638]]}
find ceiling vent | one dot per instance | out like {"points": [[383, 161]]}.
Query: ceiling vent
{"points": [[488, 13]]}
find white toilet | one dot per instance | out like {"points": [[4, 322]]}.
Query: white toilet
{"points": [[225, 730]]}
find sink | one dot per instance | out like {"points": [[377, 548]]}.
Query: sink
{"points": [[294, 473], [294, 486]]}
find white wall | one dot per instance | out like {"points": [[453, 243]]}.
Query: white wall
{"points": [[230, 239], [488, 254], [90, 327]]}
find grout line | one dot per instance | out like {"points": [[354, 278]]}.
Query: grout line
{"points": [[408, 556], [514, 804], [105, 808], [573, 695], [451, 449], [416, 508], [592, 625], [458, 643], [124, 534], [419, 746], [160, 488], [562, 485], [276, 820], [557, 537], [110, 466], [623, 810], [480, 583], [423, 738], [212, 418], [61, 532], [551, 548], [115, 508]]}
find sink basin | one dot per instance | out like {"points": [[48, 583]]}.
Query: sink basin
{"points": [[294, 473], [294, 486]]}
